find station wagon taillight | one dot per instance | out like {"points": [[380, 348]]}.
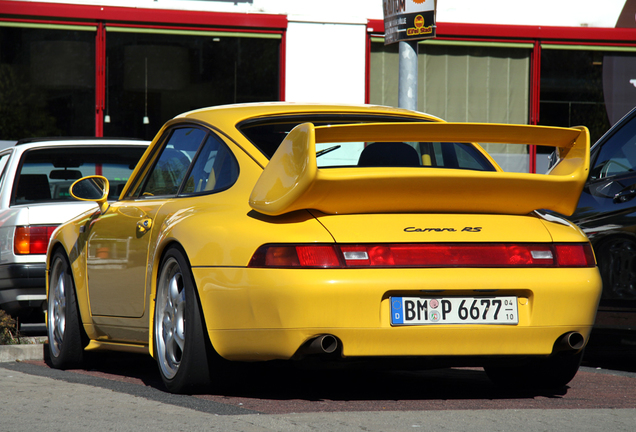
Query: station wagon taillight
{"points": [[425, 255], [32, 239]]}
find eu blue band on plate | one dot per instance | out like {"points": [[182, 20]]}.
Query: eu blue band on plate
{"points": [[397, 312]]}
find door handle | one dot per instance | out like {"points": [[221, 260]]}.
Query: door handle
{"points": [[144, 225]]}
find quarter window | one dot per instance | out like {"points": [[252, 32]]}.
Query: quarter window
{"points": [[215, 168], [192, 161]]}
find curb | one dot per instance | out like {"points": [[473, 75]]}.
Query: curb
{"points": [[10, 353], [34, 349]]}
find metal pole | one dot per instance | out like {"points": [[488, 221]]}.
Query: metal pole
{"points": [[407, 85]]}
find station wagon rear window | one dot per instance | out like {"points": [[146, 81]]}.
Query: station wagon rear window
{"points": [[45, 175]]}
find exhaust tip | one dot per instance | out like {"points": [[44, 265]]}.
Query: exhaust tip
{"points": [[323, 344], [570, 341], [328, 343], [575, 340]]}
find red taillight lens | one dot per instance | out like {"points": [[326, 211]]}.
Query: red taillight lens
{"points": [[450, 255], [494, 255], [317, 256], [575, 255], [309, 256], [32, 239]]}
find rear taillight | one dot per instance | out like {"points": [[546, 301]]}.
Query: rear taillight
{"points": [[32, 239], [307, 256], [575, 255], [495, 255]]}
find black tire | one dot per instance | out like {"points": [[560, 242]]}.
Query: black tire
{"points": [[552, 372], [67, 338], [181, 345]]}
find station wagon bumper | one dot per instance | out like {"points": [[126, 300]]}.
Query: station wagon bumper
{"points": [[22, 287]]}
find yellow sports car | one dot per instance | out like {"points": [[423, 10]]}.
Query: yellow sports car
{"points": [[333, 233]]}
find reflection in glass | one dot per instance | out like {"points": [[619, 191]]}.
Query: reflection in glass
{"points": [[154, 77], [47, 83]]}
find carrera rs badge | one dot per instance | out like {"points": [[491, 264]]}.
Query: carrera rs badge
{"points": [[424, 230]]}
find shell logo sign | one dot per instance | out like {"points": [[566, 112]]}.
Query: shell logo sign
{"points": [[408, 20], [419, 28]]}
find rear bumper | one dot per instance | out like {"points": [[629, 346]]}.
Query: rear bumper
{"points": [[265, 314], [22, 286], [448, 343]]}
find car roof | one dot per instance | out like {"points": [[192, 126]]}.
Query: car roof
{"points": [[241, 112], [78, 141]]}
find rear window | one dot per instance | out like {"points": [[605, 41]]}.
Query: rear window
{"points": [[45, 175], [267, 134]]}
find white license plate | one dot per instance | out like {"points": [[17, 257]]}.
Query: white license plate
{"points": [[453, 310]]}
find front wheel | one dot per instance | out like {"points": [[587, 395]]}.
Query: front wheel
{"points": [[550, 373], [66, 335], [182, 349]]}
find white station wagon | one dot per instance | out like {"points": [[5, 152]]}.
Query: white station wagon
{"points": [[35, 175]]}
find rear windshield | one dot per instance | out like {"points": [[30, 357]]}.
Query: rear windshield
{"points": [[45, 175], [267, 134]]}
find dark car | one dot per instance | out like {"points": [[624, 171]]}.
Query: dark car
{"points": [[607, 214]]}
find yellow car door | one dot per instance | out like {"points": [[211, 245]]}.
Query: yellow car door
{"points": [[117, 258], [119, 239]]}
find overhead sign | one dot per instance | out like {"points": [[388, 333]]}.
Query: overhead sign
{"points": [[408, 20]]}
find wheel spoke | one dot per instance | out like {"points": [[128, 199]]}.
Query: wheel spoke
{"points": [[60, 306], [173, 290], [179, 320], [172, 354]]}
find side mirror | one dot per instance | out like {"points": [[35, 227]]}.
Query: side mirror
{"points": [[92, 188]]}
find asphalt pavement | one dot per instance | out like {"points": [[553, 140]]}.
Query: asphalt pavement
{"points": [[36, 397]]}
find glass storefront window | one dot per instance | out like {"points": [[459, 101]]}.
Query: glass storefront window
{"points": [[47, 81], [584, 86], [152, 77], [464, 82]]}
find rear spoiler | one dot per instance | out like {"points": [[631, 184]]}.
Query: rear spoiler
{"points": [[292, 181]]}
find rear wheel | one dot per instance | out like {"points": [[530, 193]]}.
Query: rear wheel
{"points": [[66, 335], [553, 372], [182, 349]]}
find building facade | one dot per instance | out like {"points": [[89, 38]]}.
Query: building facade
{"points": [[115, 68]]}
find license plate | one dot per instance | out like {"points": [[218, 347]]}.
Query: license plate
{"points": [[453, 310]]}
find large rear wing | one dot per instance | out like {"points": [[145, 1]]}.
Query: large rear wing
{"points": [[292, 181]]}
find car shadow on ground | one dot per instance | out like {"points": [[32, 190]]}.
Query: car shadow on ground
{"points": [[280, 382], [286, 381]]}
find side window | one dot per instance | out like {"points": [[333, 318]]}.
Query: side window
{"points": [[617, 155], [469, 158], [4, 159], [214, 169], [171, 167], [454, 155]]}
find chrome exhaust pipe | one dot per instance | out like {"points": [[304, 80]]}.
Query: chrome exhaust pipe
{"points": [[324, 344], [572, 341]]}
